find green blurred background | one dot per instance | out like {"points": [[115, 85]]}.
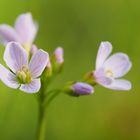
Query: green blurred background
{"points": [[79, 26]]}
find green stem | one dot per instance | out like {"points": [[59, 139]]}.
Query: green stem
{"points": [[42, 102], [41, 123], [57, 92], [41, 118]]}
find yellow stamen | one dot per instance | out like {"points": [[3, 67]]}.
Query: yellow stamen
{"points": [[24, 75]]}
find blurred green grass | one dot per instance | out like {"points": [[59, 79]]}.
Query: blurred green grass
{"points": [[79, 26]]}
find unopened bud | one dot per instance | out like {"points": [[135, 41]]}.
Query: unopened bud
{"points": [[81, 88], [59, 54], [57, 60]]}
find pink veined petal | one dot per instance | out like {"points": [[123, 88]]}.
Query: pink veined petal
{"points": [[104, 81], [15, 56], [7, 34], [32, 87], [8, 78], [120, 84], [26, 28], [103, 52], [101, 78], [119, 64], [38, 63]]}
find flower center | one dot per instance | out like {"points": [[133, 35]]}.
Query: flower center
{"points": [[27, 47], [24, 76], [109, 73]]}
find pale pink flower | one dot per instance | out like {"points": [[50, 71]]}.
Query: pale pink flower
{"points": [[110, 69], [23, 74]]}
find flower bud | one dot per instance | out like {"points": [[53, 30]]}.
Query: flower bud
{"points": [[81, 88], [57, 60], [58, 53]]}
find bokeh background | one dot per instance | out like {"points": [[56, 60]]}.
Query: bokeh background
{"points": [[79, 26]]}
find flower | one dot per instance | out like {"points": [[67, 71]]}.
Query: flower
{"points": [[109, 70], [24, 31], [80, 88], [22, 75]]}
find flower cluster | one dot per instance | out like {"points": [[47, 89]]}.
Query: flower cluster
{"points": [[28, 65], [108, 72]]}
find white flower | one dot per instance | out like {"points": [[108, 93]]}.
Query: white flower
{"points": [[23, 75], [110, 69]]}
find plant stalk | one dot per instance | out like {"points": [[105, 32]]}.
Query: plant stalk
{"points": [[41, 123]]}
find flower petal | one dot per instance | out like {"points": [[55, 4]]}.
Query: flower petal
{"points": [[15, 56], [7, 34], [119, 64], [8, 78], [38, 63], [104, 81], [120, 84], [32, 87], [101, 79], [26, 28], [103, 52]]}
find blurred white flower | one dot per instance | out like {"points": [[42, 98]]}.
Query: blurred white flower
{"points": [[24, 31]]}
